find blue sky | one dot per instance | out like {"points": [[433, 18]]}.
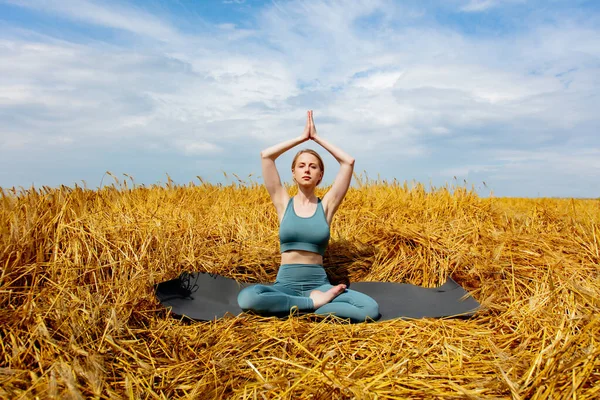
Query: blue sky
{"points": [[504, 92]]}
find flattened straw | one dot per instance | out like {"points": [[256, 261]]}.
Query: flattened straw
{"points": [[262, 378], [78, 268]]}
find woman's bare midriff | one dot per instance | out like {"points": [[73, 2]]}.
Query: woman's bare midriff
{"points": [[301, 257]]}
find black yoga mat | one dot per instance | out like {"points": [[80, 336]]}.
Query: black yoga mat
{"points": [[204, 297]]}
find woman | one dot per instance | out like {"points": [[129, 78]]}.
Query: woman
{"points": [[304, 234]]}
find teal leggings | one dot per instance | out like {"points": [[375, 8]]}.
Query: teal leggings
{"points": [[292, 288]]}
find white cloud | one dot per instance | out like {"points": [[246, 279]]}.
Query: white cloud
{"points": [[465, 170], [483, 83], [569, 161], [378, 81], [105, 14], [376, 84], [191, 148], [479, 5], [484, 5], [23, 141], [14, 141]]}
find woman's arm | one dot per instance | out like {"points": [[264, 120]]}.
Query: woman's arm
{"points": [[279, 195], [333, 198]]}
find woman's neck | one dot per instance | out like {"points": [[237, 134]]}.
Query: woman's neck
{"points": [[306, 195]]}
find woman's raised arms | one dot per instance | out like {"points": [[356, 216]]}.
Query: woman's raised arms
{"points": [[333, 198], [279, 195]]}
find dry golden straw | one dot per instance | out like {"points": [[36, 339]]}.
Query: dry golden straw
{"points": [[79, 319]]}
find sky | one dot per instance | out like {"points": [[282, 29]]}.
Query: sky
{"points": [[499, 95]]}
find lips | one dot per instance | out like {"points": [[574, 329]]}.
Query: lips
{"points": [[306, 177]]}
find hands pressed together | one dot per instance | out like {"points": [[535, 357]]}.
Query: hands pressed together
{"points": [[310, 132]]}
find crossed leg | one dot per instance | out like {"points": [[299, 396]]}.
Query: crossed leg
{"points": [[272, 299], [350, 304]]}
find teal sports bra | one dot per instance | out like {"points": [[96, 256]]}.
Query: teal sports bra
{"points": [[308, 234]]}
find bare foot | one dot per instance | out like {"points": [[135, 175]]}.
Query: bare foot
{"points": [[321, 298]]}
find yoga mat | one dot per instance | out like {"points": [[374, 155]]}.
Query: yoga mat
{"points": [[205, 297]]}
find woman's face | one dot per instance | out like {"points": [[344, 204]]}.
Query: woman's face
{"points": [[307, 171]]}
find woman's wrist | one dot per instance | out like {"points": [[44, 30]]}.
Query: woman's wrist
{"points": [[341, 156], [275, 151]]}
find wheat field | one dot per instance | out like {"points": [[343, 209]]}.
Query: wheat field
{"points": [[79, 318]]}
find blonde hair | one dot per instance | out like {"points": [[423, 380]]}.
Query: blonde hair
{"points": [[314, 153]]}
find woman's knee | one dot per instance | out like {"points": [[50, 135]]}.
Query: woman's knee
{"points": [[248, 298], [371, 309], [367, 305], [354, 305]]}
